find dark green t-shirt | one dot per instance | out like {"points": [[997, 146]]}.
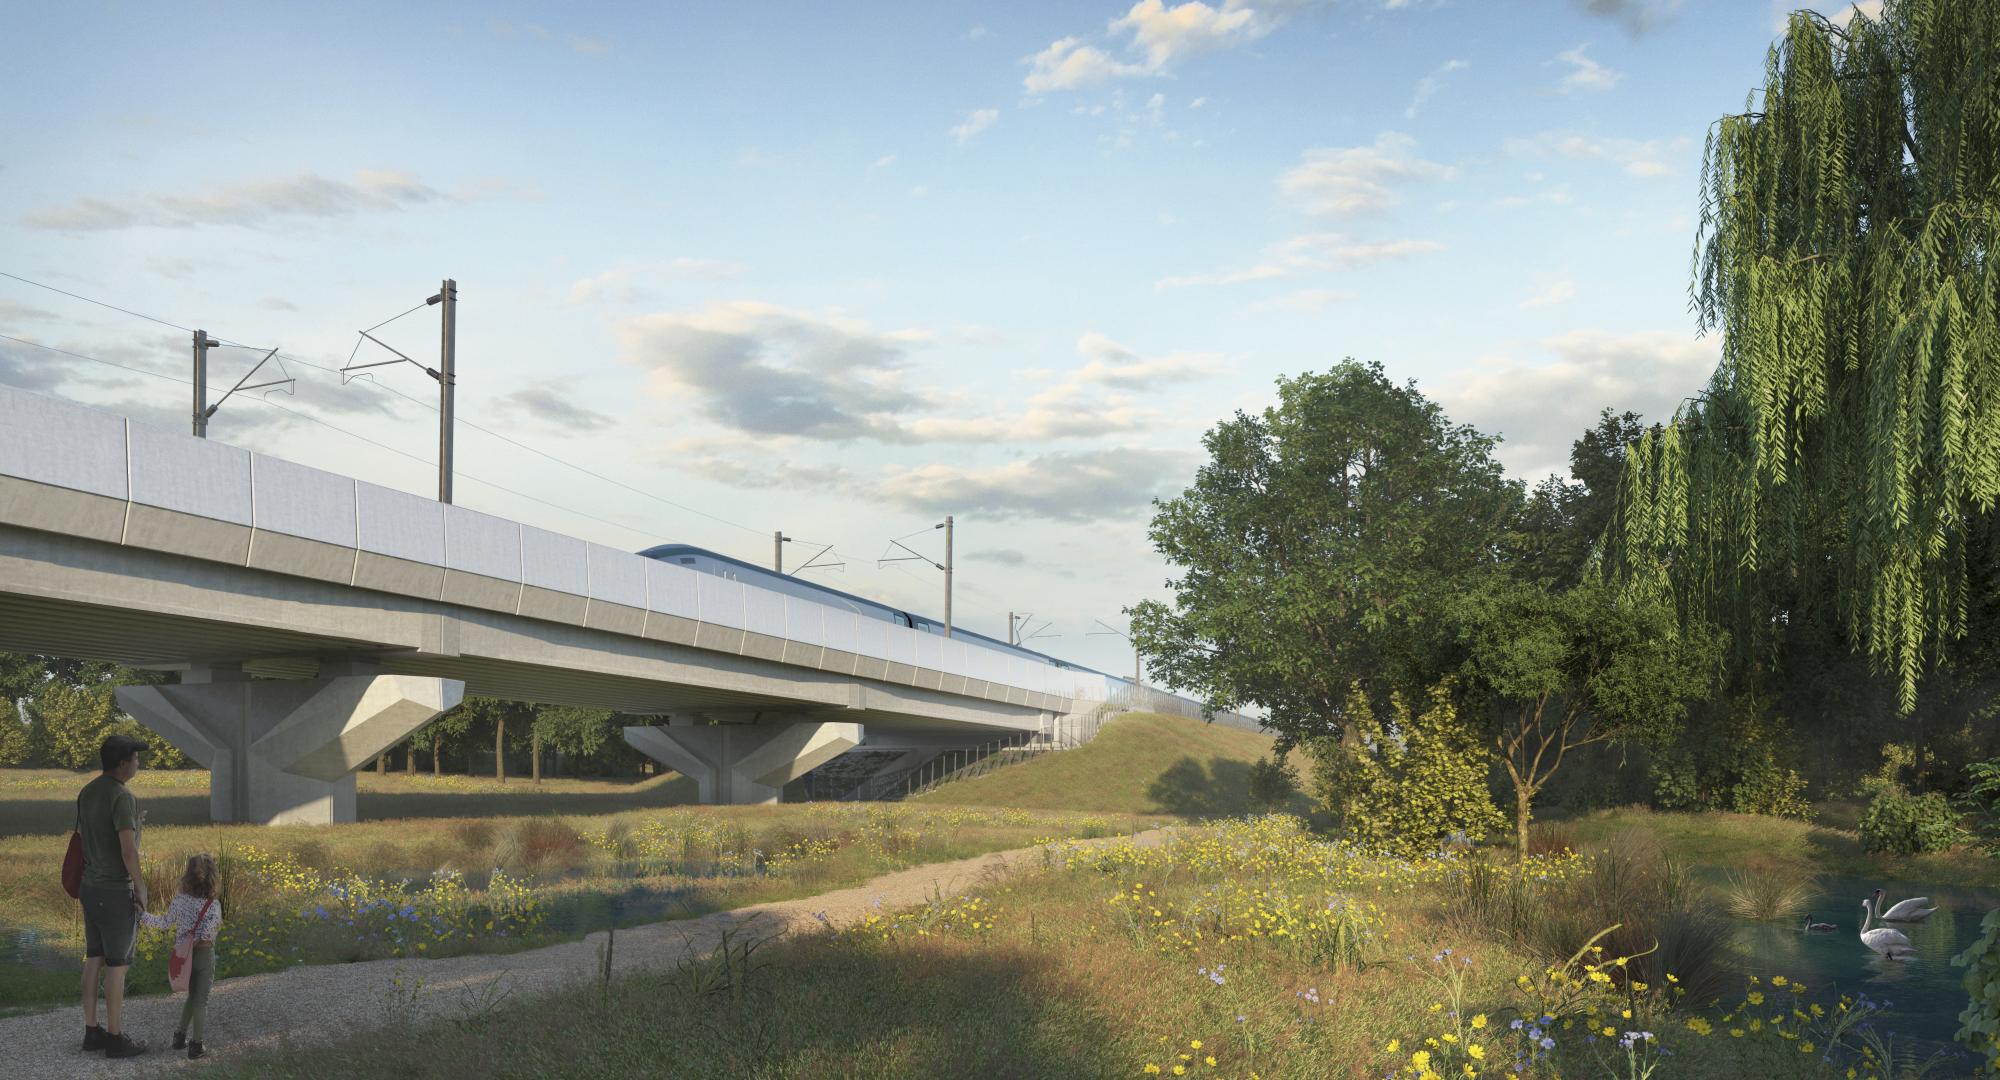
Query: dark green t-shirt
{"points": [[105, 807]]}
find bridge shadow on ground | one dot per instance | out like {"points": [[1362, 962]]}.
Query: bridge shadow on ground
{"points": [[809, 1008], [50, 810], [526, 799]]}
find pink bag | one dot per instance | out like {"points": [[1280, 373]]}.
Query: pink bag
{"points": [[181, 964]]}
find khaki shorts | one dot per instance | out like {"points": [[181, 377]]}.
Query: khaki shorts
{"points": [[110, 922]]}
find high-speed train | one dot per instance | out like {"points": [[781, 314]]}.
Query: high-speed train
{"points": [[705, 561]]}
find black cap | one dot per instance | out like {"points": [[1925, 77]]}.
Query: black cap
{"points": [[117, 749]]}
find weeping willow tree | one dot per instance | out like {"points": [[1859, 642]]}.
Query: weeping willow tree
{"points": [[1848, 443]]}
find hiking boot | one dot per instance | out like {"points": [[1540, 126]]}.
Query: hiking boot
{"points": [[121, 1045], [195, 1050], [180, 1040], [93, 1038]]}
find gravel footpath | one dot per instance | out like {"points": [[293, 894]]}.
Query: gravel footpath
{"points": [[318, 1003]]}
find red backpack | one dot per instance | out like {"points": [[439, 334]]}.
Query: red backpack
{"points": [[72, 872]]}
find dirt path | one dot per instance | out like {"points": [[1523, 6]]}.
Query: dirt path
{"points": [[319, 1003]]}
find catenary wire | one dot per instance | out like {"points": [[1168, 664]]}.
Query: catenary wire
{"points": [[376, 384]]}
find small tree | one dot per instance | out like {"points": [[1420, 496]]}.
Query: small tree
{"points": [[1405, 785], [1559, 670], [1273, 783]]}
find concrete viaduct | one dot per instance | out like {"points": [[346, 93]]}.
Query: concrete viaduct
{"points": [[318, 620]]}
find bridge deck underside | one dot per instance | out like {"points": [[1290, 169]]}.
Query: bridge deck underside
{"points": [[148, 639]]}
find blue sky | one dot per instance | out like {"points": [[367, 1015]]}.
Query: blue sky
{"points": [[843, 269]]}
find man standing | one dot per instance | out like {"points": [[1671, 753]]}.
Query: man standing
{"points": [[113, 892]]}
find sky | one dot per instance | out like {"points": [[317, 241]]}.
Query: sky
{"points": [[844, 269]]}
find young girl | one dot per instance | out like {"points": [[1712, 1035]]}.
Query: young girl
{"points": [[194, 912]]}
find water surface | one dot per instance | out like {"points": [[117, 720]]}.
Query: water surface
{"points": [[1926, 994]]}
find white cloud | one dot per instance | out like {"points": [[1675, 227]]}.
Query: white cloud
{"points": [[638, 282], [882, 162], [589, 46], [1198, 102], [250, 203], [1090, 401], [1116, 365], [1074, 486], [977, 32], [1313, 252], [11, 312], [1157, 35], [1638, 16], [1428, 86], [1558, 292], [1169, 33], [762, 369], [1646, 158], [1068, 64], [1542, 405], [1350, 180], [975, 122], [1585, 73], [1303, 300], [547, 405]]}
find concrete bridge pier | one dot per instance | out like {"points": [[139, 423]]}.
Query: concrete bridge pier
{"points": [[743, 763], [284, 751]]}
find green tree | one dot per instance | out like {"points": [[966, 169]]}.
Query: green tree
{"points": [[568, 729], [1406, 783], [1847, 450], [75, 721], [1561, 669], [1564, 519], [1318, 548]]}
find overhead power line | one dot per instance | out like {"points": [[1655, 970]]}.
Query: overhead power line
{"points": [[377, 385], [302, 415]]}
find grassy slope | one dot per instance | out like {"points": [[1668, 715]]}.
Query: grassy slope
{"points": [[1722, 839], [1141, 763]]}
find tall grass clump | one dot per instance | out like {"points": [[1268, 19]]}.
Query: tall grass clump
{"points": [[1764, 892], [1661, 917]]}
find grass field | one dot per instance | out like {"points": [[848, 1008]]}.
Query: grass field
{"points": [[498, 874], [1246, 949], [1140, 763]]}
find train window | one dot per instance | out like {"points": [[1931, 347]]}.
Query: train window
{"points": [[687, 562]]}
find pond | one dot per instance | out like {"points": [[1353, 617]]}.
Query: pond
{"points": [[1926, 993], [34, 948]]}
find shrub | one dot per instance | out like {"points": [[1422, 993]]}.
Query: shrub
{"points": [[1404, 786], [1982, 801], [1979, 1024], [1904, 824], [1272, 784], [1547, 839], [546, 840], [1767, 789]]}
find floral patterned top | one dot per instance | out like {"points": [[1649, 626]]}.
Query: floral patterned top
{"points": [[181, 915]]}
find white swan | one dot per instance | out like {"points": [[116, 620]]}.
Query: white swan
{"points": [[1893, 944], [1915, 909]]}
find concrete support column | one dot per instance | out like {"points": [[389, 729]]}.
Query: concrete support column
{"points": [[744, 763], [284, 751]]}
